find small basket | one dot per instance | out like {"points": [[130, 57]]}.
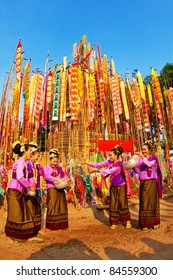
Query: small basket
{"points": [[131, 163], [61, 184]]}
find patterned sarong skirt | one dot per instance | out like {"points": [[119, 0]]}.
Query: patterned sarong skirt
{"points": [[149, 208], [20, 223], [57, 210], [119, 209]]}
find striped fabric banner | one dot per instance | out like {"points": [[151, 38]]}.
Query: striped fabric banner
{"points": [[55, 113]]}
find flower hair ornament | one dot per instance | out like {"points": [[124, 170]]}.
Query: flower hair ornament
{"points": [[53, 153], [53, 150], [152, 146], [33, 150], [15, 143], [118, 149], [33, 144], [22, 148]]}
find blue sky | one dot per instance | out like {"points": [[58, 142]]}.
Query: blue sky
{"points": [[136, 34]]}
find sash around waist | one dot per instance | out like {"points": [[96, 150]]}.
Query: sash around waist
{"points": [[15, 177], [49, 182]]}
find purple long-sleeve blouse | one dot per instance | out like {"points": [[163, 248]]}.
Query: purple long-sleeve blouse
{"points": [[19, 176], [34, 173], [50, 174], [115, 170], [147, 168]]}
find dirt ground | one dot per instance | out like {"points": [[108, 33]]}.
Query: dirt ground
{"points": [[90, 238]]}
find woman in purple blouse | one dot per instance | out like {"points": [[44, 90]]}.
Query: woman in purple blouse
{"points": [[150, 187], [57, 212], [34, 173], [119, 209], [19, 223]]}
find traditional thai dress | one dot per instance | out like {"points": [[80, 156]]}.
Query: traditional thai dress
{"points": [[118, 209], [19, 223], [34, 202], [150, 191], [57, 210]]}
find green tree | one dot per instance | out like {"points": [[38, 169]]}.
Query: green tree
{"points": [[166, 75]]}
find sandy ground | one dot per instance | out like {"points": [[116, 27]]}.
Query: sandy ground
{"points": [[90, 238]]}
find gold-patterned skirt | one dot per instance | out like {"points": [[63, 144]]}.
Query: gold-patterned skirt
{"points": [[34, 207], [20, 223], [118, 209], [149, 205], [57, 210]]}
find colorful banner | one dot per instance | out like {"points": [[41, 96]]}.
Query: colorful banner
{"points": [[26, 77], [74, 93], [18, 61], [55, 107]]}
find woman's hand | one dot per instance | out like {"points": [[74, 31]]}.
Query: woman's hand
{"points": [[85, 163], [32, 187], [139, 154], [68, 182], [94, 170]]}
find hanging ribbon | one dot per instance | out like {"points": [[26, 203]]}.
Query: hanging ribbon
{"points": [[74, 93], [18, 61], [55, 106]]}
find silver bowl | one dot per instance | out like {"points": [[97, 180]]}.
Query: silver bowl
{"points": [[61, 184], [131, 163]]}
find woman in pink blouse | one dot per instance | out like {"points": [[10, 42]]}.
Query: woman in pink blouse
{"points": [[119, 209], [150, 177], [34, 173], [19, 223], [57, 212]]}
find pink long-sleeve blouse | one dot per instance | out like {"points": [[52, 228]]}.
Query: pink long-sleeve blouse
{"points": [[19, 176], [50, 174]]}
